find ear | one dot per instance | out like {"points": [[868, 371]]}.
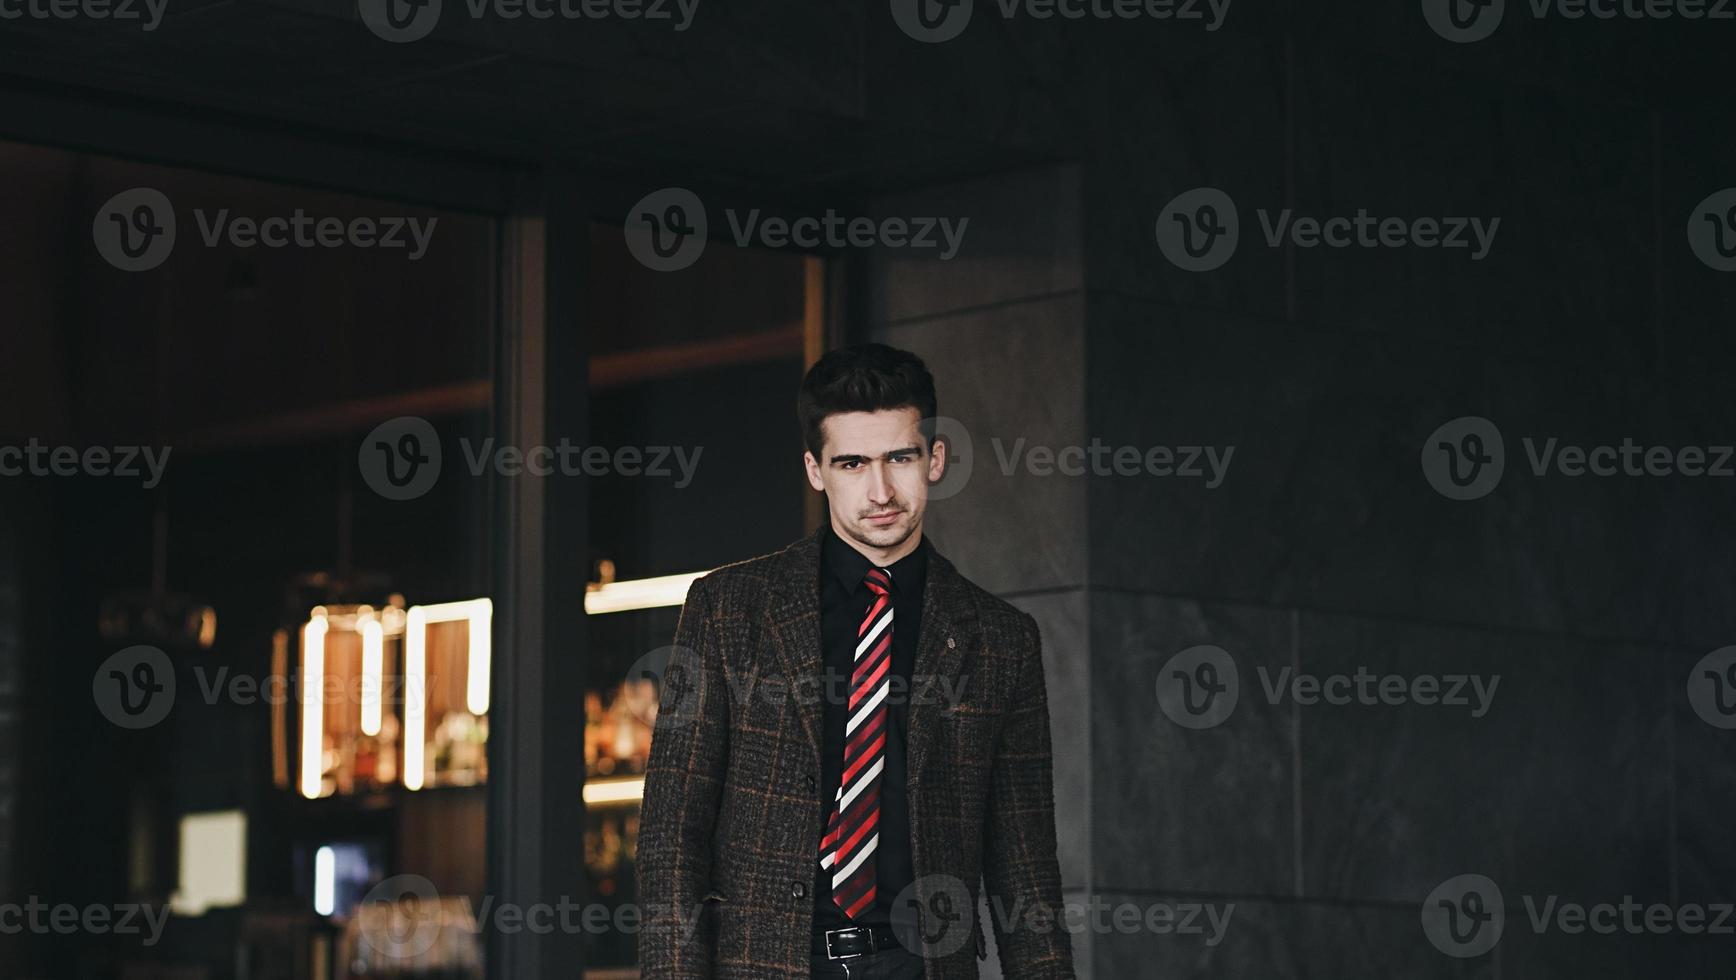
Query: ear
{"points": [[812, 465], [937, 460]]}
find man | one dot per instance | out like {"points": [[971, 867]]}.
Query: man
{"points": [[854, 739]]}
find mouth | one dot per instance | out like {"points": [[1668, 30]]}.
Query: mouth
{"points": [[882, 520]]}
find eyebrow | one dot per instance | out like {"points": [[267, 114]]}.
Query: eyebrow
{"points": [[913, 449]]}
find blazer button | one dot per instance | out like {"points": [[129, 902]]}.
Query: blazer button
{"points": [[798, 890]]}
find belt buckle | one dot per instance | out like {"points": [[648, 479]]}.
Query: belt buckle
{"points": [[831, 933]]}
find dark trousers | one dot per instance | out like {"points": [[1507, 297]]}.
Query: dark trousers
{"points": [[896, 963]]}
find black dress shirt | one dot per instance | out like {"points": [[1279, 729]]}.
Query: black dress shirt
{"points": [[844, 601]]}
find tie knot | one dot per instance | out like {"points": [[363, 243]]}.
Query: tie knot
{"points": [[879, 580]]}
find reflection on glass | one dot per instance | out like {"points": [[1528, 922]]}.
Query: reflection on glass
{"points": [[349, 742], [446, 726]]}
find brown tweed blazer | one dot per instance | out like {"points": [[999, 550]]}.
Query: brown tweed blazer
{"points": [[733, 813]]}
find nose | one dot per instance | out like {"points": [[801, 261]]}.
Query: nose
{"points": [[879, 484]]}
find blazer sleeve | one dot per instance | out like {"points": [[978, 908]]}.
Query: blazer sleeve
{"points": [[683, 783], [1020, 869]]}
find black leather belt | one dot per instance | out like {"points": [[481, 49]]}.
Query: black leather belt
{"points": [[838, 944]]}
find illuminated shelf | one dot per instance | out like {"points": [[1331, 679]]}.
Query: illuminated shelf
{"points": [[639, 593], [603, 792]]}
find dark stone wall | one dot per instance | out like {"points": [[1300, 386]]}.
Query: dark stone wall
{"points": [[1325, 549]]}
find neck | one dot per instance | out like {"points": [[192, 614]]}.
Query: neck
{"points": [[882, 557]]}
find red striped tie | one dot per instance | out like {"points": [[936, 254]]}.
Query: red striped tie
{"points": [[853, 830]]}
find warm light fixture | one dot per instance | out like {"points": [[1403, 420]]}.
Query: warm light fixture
{"points": [[373, 672], [478, 614], [313, 636], [641, 593], [614, 790]]}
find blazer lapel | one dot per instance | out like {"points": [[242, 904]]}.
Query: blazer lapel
{"points": [[949, 625], [794, 611], [949, 628]]}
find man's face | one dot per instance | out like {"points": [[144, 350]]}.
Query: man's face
{"points": [[875, 470]]}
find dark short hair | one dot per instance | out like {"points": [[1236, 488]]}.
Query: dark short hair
{"points": [[864, 378]]}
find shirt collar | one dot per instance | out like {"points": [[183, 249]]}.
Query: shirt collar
{"points": [[850, 566]]}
